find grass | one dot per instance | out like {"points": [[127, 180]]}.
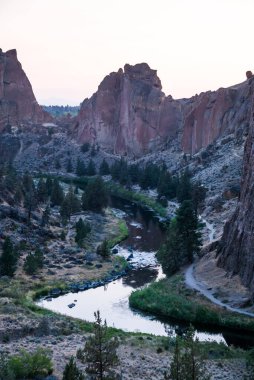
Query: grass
{"points": [[140, 199], [170, 298], [123, 234]]}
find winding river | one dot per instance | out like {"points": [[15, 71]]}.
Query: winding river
{"points": [[145, 236]]}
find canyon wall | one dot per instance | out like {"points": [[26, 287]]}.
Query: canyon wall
{"points": [[130, 115], [236, 251], [17, 101]]}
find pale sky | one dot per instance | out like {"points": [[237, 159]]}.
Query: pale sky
{"points": [[67, 47]]}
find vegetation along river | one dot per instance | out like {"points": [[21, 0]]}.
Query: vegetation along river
{"points": [[146, 234]]}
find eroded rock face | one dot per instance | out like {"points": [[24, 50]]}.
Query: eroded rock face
{"points": [[237, 246], [17, 101], [129, 114]]}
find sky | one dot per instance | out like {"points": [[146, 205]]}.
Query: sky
{"points": [[67, 47]]}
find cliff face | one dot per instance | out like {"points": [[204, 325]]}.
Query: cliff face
{"points": [[214, 114], [17, 101], [237, 245], [129, 114]]}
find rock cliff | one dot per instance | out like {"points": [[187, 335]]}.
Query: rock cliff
{"points": [[17, 101], [129, 114], [236, 248]]}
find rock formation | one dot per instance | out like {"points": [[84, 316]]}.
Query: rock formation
{"points": [[17, 101], [129, 114], [237, 245], [249, 74]]}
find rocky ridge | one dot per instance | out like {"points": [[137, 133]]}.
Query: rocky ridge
{"points": [[130, 115], [17, 101]]}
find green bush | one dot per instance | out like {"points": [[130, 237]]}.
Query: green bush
{"points": [[28, 365]]}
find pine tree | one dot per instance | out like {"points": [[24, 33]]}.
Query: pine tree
{"points": [[91, 170], [93, 151], [169, 254], [70, 205], [175, 367], [45, 216], [80, 168], [57, 164], [95, 196], [49, 186], [104, 168], [71, 371], [82, 229], [100, 352], [33, 262], [198, 194], [69, 167], [189, 230], [187, 363], [30, 202], [103, 249], [9, 258], [184, 188], [57, 194], [183, 239], [41, 191], [85, 147], [18, 196]]}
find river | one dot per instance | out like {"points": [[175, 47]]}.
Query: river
{"points": [[145, 236]]}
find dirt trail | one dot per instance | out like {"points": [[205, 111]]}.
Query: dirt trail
{"points": [[191, 281]]}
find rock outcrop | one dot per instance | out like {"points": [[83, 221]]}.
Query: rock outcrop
{"points": [[130, 115], [17, 101], [236, 248], [214, 114]]}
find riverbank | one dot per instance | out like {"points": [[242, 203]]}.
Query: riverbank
{"points": [[171, 298]]}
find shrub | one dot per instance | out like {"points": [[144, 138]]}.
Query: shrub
{"points": [[29, 365]]}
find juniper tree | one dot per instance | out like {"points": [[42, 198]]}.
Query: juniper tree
{"points": [[33, 262], [99, 352], [82, 229], [57, 194], [71, 371], [9, 258], [103, 249]]}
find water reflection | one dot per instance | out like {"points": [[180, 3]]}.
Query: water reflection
{"points": [[140, 277]]}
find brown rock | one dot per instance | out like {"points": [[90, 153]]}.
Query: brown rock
{"points": [[130, 115], [17, 101]]}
